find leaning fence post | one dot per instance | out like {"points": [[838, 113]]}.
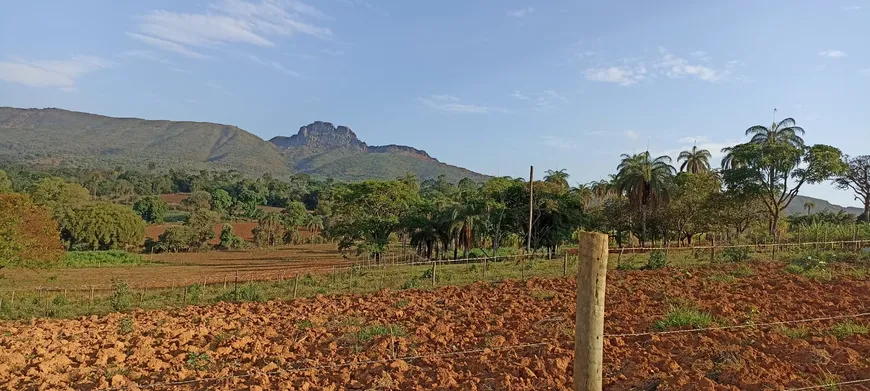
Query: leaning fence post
{"points": [[433, 271], [295, 284], [589, 321]]}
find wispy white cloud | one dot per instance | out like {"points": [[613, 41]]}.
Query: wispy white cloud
{"points": [[631, 135], [281, 68], [228, 22], [678, 67], [558, 142], [168, 46], [517, 94], [622, 75], [832, 53], [54, 73], [179, 70], [452, 104], [218, 87], [851, 8], [520, 13]]}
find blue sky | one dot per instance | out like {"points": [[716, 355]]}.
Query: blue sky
{"points": [[490, 85]]}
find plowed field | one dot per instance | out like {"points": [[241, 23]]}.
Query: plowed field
{"points": [[409, 340]]}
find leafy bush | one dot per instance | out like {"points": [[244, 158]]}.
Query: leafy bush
{"points": [[736, 254], [122, 298], [229, 240], [246, 292], [657, 260], [27, 233], [151, 208], [810, 262], [194, 293], [102, 226]]}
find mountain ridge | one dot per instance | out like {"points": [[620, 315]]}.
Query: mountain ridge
{"points": [[53, 136]]}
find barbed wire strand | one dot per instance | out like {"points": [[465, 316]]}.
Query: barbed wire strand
{"points": [[742, 326], [331, 366]]}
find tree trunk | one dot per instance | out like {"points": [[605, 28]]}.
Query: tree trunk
{"points": [[455, 247], [643, 226]]}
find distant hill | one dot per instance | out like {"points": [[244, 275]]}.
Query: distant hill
{"points": [[58, 137], [797, 206], [324, 149]]}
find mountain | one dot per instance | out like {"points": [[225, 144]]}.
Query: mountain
{"points": [[323, 149], [57, 137], [797, 206]]}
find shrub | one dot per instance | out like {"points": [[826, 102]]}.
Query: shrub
{"points": [[122, 298], [102, 226], [28, 235], [736, 254], [194, 293], [810, 262], [151, 208], [657, 260], [229, 240]]}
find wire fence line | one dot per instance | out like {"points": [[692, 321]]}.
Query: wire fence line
{"points": [[332, 366], [830, 386], [745, 245]]}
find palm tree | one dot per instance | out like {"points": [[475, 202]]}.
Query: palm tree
{"points": [[697, 161], [601, 189], [784, 131], [809, 206], [644, 181], [560, 177], [585, 193], [314, 223]]}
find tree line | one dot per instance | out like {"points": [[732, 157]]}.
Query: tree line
{"points": [[648, 199]]}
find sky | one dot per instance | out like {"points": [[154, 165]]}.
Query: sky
{"points": [[490, 85]]}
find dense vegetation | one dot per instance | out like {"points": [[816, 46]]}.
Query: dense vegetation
{"points": [[647, 200]]}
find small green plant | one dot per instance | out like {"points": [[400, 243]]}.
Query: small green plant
{"points": [[370, 332], [402, 303], [125, 326], [847, 329], [799, 332], [122, 298], [736, 254], [427, 275], [110, 372], [60, 300], [742, 271], [726, 278], [543, 294], [657, 260], [246, 292], [305, 324], [197, 361], [810, 262], [682, 317], [194, 293], [412, 283]]}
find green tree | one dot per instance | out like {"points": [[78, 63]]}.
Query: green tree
{"points": [[221, 201], [28, 235], [270, 231], [315, 223], [559, 177], [686, 211], [229, 240], [5, 183], [58, 195], [645, 182], [201, 223], [786, 131], [175, 239], [809, 206], [774, 168], [857, 179], [366, 213], [197, 200], [151, 208], [696, 161], [102, 226]]}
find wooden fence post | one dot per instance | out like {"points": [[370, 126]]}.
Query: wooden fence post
{"points": [[295, 284], [589, 322], [712, 249], [565, 265], [485, 266], [185, 295], [433, 272]]}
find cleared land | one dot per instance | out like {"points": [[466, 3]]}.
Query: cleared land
{"points": [[413, 337]]}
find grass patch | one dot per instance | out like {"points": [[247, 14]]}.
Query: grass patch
{"points": [[402, 303], [847, 329], [799, 332], [111, 258], [543, 294], [726, 278], [684, 317]]}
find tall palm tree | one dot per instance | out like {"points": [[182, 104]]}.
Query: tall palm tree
{"points": [[601, 189], [697, 161], [585, 193], [809, 206], [560, 177], [314, 223], [644, 181], [784, 131]]}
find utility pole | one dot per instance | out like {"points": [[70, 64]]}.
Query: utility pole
{"points": [[531, 206]]}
